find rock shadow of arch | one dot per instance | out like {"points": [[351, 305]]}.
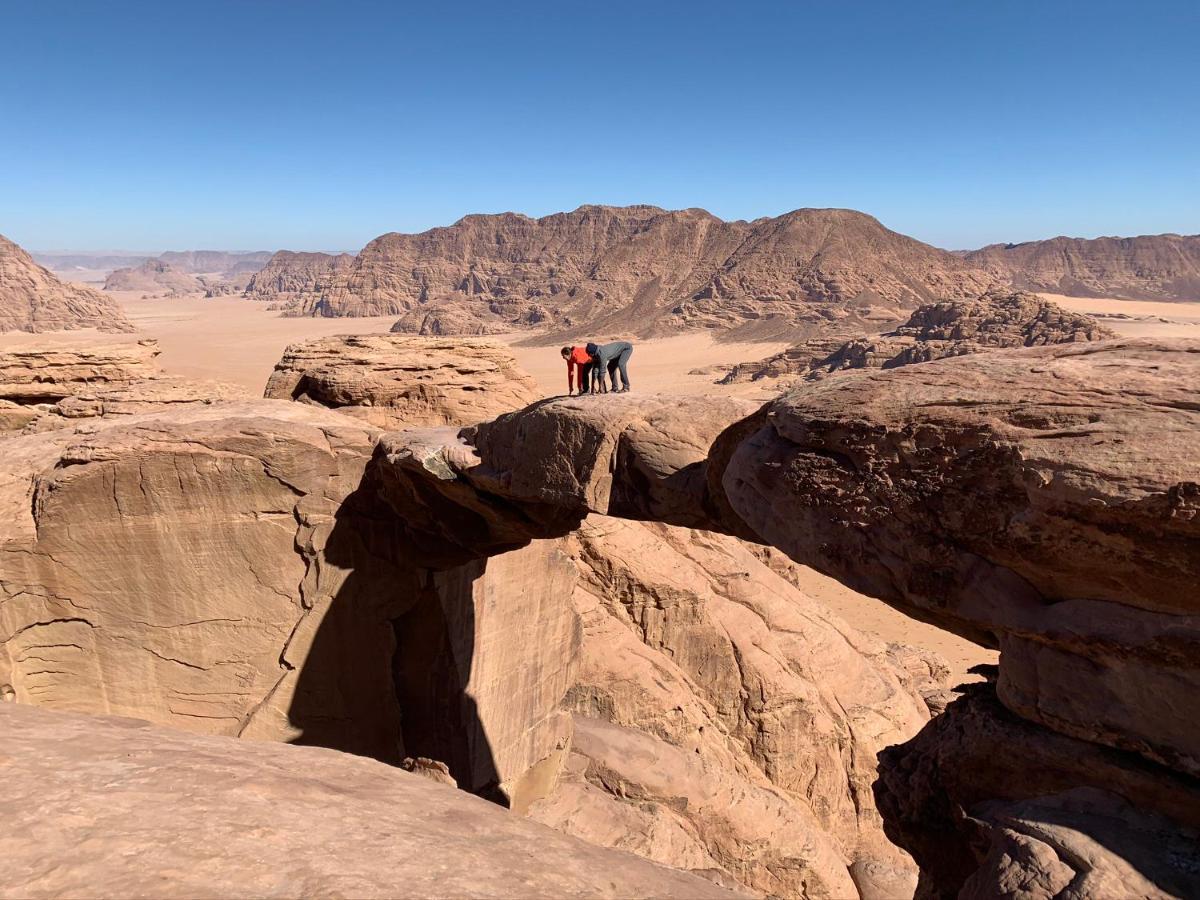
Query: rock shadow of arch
{"points": [[389, 660]]}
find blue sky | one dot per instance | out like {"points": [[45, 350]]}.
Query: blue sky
{"points": [[260, 125]]}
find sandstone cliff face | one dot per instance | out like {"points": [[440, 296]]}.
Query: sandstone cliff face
{"points": [[996, 319], [725, 721], [178, 273], [288, 275], [1150, 267], [395, 381], [645, 269], [32, 299], [1041, 500], [246, 818]]}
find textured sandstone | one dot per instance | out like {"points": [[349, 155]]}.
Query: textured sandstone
{"points": [[48, 374], [643, 268], [1044, 501], [44, 388], [1150, 267], [289, 275], [394, 381], [996, 319], [193, 595], [994, 806], [103, 807], [725, 721], [32, 299]]}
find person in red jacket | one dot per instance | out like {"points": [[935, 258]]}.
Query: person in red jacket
{"points": [[578, 361]]}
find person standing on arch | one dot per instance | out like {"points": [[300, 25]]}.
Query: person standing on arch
{"points": [[613, 358], [579, 369]]}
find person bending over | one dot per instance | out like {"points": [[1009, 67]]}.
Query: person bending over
{"points": [[613, 358], [579, 368]]}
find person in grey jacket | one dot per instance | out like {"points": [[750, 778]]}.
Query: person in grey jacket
{"points": [[613, 358]]}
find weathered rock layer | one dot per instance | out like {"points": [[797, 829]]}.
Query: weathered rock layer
{"points": [[33, 299], [995, 320], [1149, 267], [644, 269]]}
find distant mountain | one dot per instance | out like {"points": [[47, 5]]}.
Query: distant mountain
{"points": [[211, 262], [289, 275], [640, 269], [33, 299], [1150, 267], [93, 262], [176, 273]]}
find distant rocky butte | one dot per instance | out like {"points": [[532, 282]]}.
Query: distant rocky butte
{"points": [[176, 273], [1150, 267], [994, 320], [33, 299], [639, 268], [289, 275]]}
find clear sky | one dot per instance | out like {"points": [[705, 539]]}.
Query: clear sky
{"points": [[319, 125]]}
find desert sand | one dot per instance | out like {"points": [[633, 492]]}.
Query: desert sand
{"points": [[1137, 318]]}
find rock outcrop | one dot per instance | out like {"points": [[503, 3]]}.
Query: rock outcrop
{"points": [[47, 387], [997, 319], [1150, 267], [179, 273], [289, 275], [99, 807], [33, 299], [645, 269], [1043, 501], [395, 381], [153, 276], [992, 805], [724, 721]]}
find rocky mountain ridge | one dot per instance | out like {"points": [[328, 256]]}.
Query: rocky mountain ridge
{"points": [[1147, 267], [34, 299], [641, 267]]}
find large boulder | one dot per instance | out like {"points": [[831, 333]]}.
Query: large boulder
{"points": [[103, 807], [1043, 501], [47, 374], [393, 381]]}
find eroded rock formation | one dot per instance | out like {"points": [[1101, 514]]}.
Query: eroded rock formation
{"points": [[395, 381], [993, 320], [33, 299], [214, 273], [289, 275], [1043, 501], [43, 388], [1149, 267], [248, 818], [644, 269]]}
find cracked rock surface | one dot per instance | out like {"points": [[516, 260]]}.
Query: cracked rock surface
{"points": [[123, 808]]}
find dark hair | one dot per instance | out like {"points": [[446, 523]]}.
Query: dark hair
{"points": [[566, 351]]}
